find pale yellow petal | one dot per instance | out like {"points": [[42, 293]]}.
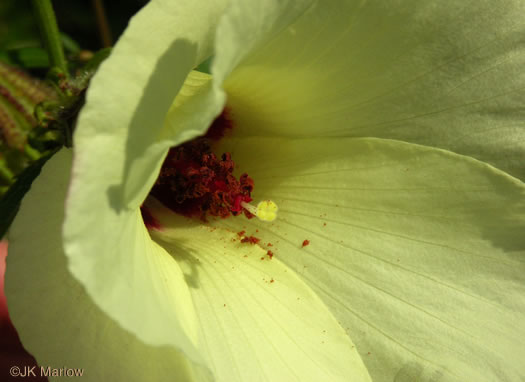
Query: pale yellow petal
{"points": [[447, 74], [120, 142], [418, 252], [260, 322], [58, 323]]}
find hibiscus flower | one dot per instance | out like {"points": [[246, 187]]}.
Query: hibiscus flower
{"points": [[389, 134]]}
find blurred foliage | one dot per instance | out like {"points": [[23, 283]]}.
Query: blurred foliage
{"points": [[33, 128], [76, 19]]}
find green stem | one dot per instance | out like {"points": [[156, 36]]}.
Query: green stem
{"points": [[49, 31]]}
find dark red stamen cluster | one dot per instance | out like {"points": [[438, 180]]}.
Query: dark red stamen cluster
{"points": [[194, 182]]}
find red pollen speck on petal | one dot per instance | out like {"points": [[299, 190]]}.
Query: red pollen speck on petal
{"points": [[250, 239], [194, 182], [241, 233], [270, 254], [306, 242]]}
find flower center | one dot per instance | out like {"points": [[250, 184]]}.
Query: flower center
{"points": [[194, 182]]}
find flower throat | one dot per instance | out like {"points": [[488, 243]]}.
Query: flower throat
{"points": [[195, 183]]}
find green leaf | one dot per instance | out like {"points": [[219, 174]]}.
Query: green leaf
{"points": [[70, 45], [30, 58]]}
